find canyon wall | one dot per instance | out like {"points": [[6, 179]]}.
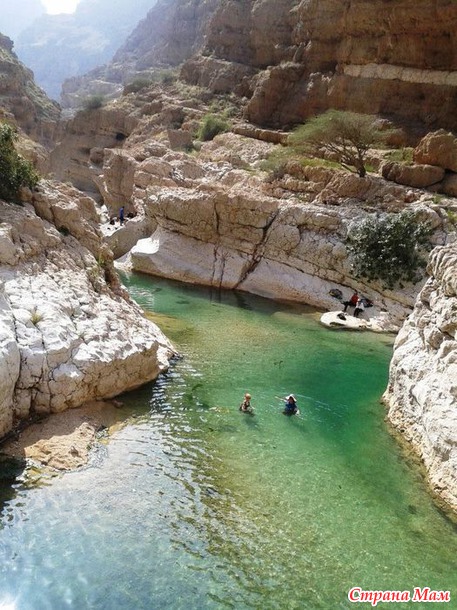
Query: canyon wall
{"points": [[288, 60], [378, 57], [214, 217], [22, 102], [68, 331], [422, 390]]}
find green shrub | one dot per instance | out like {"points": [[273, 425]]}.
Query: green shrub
{"points": [[137, 84], [211, 126], [15, 171], [93, 102], [389, 248]]}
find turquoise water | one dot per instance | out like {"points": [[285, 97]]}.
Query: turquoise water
{"points": [[192, 504]]}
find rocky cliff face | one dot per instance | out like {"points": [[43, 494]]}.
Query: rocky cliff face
{"points": [[391, 58], [170, 33], [68, 332], [291, 59], [21, 101], [214, 218], [422, 391]]}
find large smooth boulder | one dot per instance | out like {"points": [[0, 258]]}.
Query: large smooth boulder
{"points": [[438, 148], [417, 176]]}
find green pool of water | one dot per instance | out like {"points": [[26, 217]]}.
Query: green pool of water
{"points": [[192, 504]]}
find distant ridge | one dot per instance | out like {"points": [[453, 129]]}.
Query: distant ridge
{"points": [[56, 47]]}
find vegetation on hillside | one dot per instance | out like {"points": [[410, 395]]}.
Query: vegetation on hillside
{"points": [[15, 171], [389, 248], [93, 102], [211, 125], [342, 136]]}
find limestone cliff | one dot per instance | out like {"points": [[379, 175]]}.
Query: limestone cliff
{"points": [[21, 100], [291, 59], [214, 217], [376, 56], [68, 331], [422, 391]]}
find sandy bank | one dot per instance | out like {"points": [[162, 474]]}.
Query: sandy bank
{"points": [[63, 441]]}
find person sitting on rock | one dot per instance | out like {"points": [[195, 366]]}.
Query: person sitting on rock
{"points": [[352, 301], [359, 308]]}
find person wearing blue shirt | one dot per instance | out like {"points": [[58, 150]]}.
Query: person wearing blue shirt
{"points": [[290, 407]]}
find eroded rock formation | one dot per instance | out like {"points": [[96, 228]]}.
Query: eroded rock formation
{"points": [[214, 218], [352, 54], [422, 391], [292, 59], [21, 100], [68, 331]]}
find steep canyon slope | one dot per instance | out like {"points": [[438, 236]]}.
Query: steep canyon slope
{"points": [[377, 56], [291, 59], [21, 100]]}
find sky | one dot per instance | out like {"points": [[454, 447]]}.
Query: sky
{"points": [[53, 7]]}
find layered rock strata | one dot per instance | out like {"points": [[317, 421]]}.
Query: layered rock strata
{"points": [[68, 331], [221, 226], [422, 391], [292, 59], [214, 217], [310, 55]]}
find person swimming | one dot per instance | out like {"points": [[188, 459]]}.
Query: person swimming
{"points": [[246, 406], [290, 406]]}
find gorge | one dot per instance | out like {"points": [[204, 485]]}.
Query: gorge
{"points": [[215, 213]]}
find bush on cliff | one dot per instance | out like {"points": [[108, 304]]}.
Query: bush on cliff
{"points": [[93, 102], [15, 171], [211, 126], [389, 248], [342, 136]]}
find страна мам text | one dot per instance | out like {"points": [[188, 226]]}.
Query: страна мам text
{"points": [[418, 594]]}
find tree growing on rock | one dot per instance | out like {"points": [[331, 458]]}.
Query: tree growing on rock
{"points": [[389, 248], [15, 171], [343, 136]]}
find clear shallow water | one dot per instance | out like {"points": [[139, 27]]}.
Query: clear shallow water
{"points": [[194, 505]]}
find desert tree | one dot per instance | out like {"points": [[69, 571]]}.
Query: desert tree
{"points": [[343, 136]]}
